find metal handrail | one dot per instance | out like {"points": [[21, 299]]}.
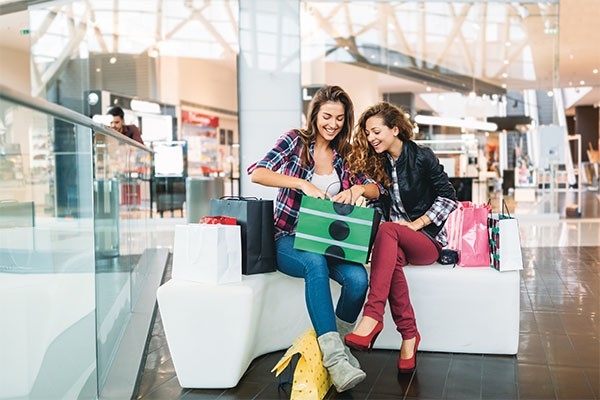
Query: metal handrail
{"points": [[64, 114]]}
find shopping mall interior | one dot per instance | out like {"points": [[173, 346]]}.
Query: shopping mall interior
{"points": [[506, 94]]}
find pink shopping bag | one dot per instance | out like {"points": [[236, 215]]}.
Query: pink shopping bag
{"points": [[468, 234]]}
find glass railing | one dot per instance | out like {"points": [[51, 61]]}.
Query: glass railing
{"points": [[121, 193], [74, 215]]}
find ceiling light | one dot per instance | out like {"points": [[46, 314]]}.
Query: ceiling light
{"points": [[456, 122], [93, 98], [595, 70]]}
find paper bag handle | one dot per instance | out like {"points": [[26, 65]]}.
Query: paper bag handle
{"points": [[327, 190], [238, 198], [505, 207]]}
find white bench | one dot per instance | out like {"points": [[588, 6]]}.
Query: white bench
{"points": [[215, 331]]}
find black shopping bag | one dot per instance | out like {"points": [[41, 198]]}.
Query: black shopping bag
{"points": [[255, 216]]}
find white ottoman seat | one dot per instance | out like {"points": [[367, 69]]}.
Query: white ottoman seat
{"points": [[215, 331], [460, 310]]}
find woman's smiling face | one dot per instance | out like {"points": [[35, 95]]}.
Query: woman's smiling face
{"points": [[330, 119], [379, 135]]}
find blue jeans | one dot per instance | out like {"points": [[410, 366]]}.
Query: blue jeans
{"points": [[316, 270]]}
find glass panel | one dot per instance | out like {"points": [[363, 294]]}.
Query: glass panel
{"points": [[121, 210], [73, 234], [47, 275], [129, 48]]}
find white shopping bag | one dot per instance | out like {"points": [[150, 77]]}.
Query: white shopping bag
{"points": [[209, 253], [505, 243]]}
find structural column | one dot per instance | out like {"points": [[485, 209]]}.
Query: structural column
{"points": [[269, 87]]}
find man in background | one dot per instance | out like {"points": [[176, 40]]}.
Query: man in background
{"points": [[118, 124]]}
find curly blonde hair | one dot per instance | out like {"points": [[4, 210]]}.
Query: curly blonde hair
{"points": [[363, 157]]}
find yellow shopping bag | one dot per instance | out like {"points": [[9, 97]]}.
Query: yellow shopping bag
{"points": [[311, 379]]}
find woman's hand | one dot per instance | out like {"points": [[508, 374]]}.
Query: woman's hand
{"points": [[311, 190], [415, 225], [349, 196], [265, 176], [412, 225]]}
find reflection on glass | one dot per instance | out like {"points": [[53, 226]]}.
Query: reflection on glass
{"points": [[46, 261]]}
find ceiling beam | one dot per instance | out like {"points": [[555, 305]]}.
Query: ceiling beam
{"points": [[17, 6], [436, 76]]}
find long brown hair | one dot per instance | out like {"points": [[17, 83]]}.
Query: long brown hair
{"points": [[363, 157], [341, 143]]}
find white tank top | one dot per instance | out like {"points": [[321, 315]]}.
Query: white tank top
{"points": [[329, 183]]}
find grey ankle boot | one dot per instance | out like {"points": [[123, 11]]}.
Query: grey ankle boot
{"points": [[343, 329], [343, 375]]}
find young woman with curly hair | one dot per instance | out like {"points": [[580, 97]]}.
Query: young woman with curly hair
{"points": [[415, 207]]}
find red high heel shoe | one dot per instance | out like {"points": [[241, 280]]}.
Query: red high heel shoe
{"points": [[364, 343], [407, 366]]}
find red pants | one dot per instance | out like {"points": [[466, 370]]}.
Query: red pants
{"points": [[396, 246]]}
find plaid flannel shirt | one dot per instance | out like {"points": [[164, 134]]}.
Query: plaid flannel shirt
{"points": [[285, 158]]}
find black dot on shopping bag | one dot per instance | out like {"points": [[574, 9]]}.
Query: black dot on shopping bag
{"points": [[335, 251], [343, 209], [339, 230]]}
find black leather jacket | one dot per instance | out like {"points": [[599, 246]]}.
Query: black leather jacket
{"points": [[421, 178]]}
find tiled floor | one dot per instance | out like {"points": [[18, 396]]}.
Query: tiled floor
{"points": [[559, 350]]}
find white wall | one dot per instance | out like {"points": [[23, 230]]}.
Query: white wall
{"points": [[14, 74], [207, 82], [202, 83], [14, 70], [360, 83], [168, 79]]}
